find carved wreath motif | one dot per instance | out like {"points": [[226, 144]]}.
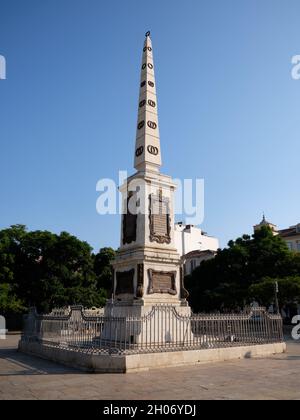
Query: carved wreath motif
{"points": [[152, 150], [141, 125], [152, 124], [139, 151], [151, 103]]}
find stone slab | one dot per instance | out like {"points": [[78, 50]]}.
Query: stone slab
{"points": [[141, 362]]}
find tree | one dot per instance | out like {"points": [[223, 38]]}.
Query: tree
{"points": [[288, 287], [103, 268], [10, 240], [45, 270], [224, 282], [9, 301]]}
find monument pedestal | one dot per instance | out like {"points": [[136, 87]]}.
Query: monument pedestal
{"points": [[127, 363], [145, 325]]}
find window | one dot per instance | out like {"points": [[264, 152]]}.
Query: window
{"points": [[290, 245], [298, 246]]}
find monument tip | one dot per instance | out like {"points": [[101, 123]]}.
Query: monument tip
{"points": [[147, 34]]}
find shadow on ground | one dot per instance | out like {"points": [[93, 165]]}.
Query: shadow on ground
{"points": [[30, 365], [15, 363]]}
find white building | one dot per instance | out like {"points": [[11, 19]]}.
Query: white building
{"points": [[194, 245]]}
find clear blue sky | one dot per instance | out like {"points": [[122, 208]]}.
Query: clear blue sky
{"points": [[228, 108]]}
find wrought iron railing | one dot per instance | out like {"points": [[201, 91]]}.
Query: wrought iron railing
{"points": [[163, 328]]}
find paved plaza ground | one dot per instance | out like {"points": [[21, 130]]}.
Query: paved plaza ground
{"points": [[274, 377]]}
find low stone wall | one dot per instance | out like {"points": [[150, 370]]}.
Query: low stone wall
{"points": [[139, 362], [76, 359], [193, 357]]}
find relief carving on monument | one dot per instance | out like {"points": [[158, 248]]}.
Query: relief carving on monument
{"points": [[129, 224], [184, 294], [162, 282], [159, 219], [125, 282], [140, 281]]}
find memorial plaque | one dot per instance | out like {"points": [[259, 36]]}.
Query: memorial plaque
{"points": [[159, 219], [129, 225], [162, 282], [125, 282]]}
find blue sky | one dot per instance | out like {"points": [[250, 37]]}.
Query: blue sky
{"points": [[228, 108]]}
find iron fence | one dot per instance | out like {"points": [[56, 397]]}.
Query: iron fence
{"points": [[163, 328]]}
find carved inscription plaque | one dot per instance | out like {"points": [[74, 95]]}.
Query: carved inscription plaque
{"points": [[160, 214], [162, 282], [159, 219], [124, 282], [129, 225]]}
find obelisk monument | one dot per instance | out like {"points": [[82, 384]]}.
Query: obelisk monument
{"points": [[147, 268]]}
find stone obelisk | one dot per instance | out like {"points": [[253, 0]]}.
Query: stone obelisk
{"points": [[147, 267]]}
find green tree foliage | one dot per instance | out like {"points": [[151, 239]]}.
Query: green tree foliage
{"points": [[103, 268], [45, 270], [10, 240], [8, 300], [225, 281], [289, 290]]}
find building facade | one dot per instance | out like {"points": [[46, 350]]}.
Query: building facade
{"points": [[194, 246], [290, 235], [193, 259]]}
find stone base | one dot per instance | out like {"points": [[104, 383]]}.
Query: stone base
{"points": [[145, 321], [141, 307], [141, 362]]}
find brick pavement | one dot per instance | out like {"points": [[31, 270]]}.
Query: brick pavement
{"points": [[274, 377]]}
